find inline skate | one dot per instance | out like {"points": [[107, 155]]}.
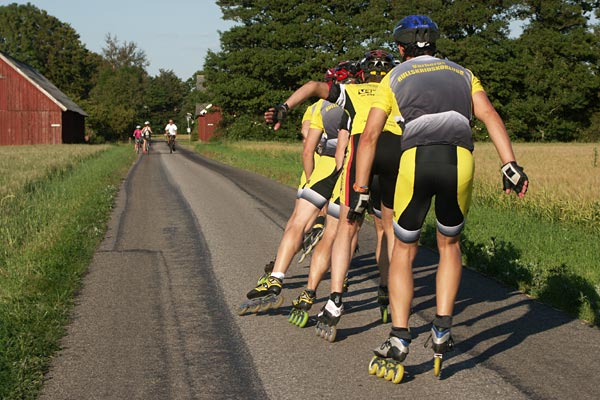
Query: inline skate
{"points": [[388, 358], [311, 239], [383, 298], [300, 307], [442, 342], [263, 297], [268, 269], [329, 317]]}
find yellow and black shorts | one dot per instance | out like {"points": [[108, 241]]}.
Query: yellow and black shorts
{"points": [[316, 158], [441, 171], [385, 166], [319, 188]]}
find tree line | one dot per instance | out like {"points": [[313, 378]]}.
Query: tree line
{"points": [[113, 88], [537, 59]]}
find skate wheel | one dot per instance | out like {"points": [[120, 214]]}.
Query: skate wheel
{"points": [[373, 366], [291, 317], [384, 314], [302, 256], [382, 370], [331, 335], [277, 303], [398, 374], [254, 309], [437, 366], [302, 320], [323, 332], [242, 310]]}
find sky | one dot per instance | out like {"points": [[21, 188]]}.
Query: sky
{"points": [[175, 34]]}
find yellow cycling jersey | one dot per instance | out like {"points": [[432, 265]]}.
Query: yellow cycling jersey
{"points": [[357, 99]]}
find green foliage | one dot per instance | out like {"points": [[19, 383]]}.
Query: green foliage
{"points": [[544, 83], [30, 35]]}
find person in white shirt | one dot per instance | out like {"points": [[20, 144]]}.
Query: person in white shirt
{"points": [[171, 132]]}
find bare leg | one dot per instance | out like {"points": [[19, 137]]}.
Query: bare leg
{"points": [[321, 258], [342, 250], [293, 234], [401, 284], [449, 273]]}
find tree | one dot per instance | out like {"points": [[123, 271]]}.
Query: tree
{"points": [[278, 46], [555, 93], [50, 46], [116, 103], [126, 54]]}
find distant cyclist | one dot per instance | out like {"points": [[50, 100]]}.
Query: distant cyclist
{"points": [[171, 133], [137, 138], [146, 135]]}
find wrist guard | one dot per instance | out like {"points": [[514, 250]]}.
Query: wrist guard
{"points": [[359, 202], [513, 177], [280, 112]]}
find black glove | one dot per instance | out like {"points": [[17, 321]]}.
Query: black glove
{"points": [[359, 202], [280, 113], [513, 177]]}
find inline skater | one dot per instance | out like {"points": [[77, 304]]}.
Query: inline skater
{"points": [[437, 99], [356, 100], [320, 182], [311, 234]]}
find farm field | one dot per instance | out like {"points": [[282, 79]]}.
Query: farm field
{"points": [[545, 245]]}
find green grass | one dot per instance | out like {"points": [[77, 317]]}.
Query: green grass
{"points": [[545, 246], [50, 227]]}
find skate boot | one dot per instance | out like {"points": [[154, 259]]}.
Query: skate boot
{"points": [[263, 297], [300, 307], [383, 298], [268, 269], [388, 358], [312, 238], [329, 317], [442, 341]]}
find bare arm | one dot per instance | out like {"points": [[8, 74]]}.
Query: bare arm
{"points": [[485, 111], [306, 91], [308, 153], [340, 150]]}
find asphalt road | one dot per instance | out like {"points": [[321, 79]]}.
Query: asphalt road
{"points": [[156, 317]]}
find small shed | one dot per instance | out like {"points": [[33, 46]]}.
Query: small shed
{"points": [[33, 110], [208, 121]]}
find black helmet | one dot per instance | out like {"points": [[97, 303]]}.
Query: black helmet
{"points": [[377, 62], [417, 30]]}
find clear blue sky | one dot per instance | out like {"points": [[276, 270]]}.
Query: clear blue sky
{"points": [[174, 34]]}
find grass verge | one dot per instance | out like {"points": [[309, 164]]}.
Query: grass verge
{"points": [[49, 231], [540, 246]]}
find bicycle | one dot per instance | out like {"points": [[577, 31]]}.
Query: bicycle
{"points": [[147, 144], [171, 143]]}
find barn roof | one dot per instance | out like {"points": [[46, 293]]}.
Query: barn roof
{"points": [[43, 84]]}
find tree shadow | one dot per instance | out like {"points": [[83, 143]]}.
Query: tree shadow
{"points": [[491, 318]]}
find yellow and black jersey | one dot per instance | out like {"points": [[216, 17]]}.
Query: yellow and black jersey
{"points": [[326, 117], [357, 99]]}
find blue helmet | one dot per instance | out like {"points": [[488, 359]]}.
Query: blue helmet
{"points": [[419, 30]]}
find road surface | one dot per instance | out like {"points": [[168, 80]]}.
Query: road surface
{"points": [[188, 237]]}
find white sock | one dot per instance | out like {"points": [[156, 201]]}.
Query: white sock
{"points": [[278, 275]]}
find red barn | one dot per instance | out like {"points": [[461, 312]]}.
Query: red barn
{"points": [[208, 122], [33, 110]]}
